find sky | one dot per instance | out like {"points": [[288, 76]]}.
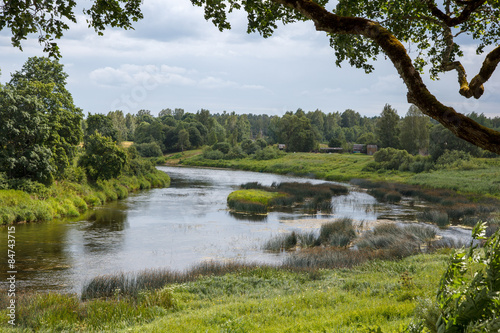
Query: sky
{"points": [[176, 59]]}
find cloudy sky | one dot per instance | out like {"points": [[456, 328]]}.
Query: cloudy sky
{"points": [[175, 59]]}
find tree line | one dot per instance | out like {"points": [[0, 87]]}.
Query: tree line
{"points": [[174, 130], [44, 137]]}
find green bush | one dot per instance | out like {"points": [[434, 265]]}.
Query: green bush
{"points": [[468, 292], [268, 153], [393, 159], [235, 153], [223, 147], [213, 155], [151, 149], [452, 159]]}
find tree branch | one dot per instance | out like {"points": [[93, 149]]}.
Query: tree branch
{"points": [[470, 7], [489, 65], [418, 94]]}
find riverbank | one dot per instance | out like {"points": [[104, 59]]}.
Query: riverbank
{"points": [[66, 199], [480, 177], [377, 294]]}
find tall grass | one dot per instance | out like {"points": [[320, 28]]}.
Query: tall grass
{"points": [[256, 198], [131, 284], [67, 199]]}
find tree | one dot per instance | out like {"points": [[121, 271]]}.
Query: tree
{"points": [[24, 134], [359, 31], [442, 140], [414, 134], [388, 128], [101, 124], [119, 124], [297, 133], [46, 107], [350, 118], [183, 142], [102, 159]]}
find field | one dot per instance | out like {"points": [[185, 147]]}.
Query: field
{"points": [[482, 176], [377, 294]]}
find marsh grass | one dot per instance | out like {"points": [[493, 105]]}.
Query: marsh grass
{"points": [[256, 198], [440, 218], [130, 284], [338, 233], [372, 295]]}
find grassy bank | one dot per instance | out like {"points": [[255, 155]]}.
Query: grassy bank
{"points": [[67, 199], [381, 294], [482, 176]]}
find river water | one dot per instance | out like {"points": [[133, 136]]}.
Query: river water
{"points": [[173, 228]]}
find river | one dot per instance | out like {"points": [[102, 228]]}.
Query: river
{"points": [[174, 228]]}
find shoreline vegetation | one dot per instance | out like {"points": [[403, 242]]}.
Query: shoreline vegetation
{"points": [[388, 285], [71, 199], [256, 198], [375, 296], [479, 176]]}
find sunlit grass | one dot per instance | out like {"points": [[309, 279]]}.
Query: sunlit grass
{"points": [[255, 299], [485, 179], [65, 199]]}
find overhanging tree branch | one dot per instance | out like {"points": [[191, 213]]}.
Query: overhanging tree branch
{"points": [[470, 7], [418, 94]]}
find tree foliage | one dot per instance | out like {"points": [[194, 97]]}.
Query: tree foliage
{"points": [[102, 158], [388, 128], [359, 31], [41, 126], [414, 134], [50, 18], [24, 134]]}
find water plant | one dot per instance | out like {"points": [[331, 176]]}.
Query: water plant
{"points": [[256, 198]]}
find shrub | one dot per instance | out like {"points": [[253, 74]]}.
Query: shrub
{"points": [[223, 147], [151, 149], [268, 153], [235, 153], [213, 155], [249, 147], [393, 159], [452, 159], [467, 295]]}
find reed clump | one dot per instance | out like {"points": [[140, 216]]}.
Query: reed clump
{"points": [[256, 198]]}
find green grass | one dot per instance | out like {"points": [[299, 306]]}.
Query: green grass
{"points": [[252, 200], [256, 196], [483, 179], [66, 199], [256, 299]]}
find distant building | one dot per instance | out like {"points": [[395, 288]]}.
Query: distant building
{"points": [[358, 148], [371, 149], [331, 150], [281, 146]]}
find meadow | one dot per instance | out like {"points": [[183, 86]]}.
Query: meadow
{"points": [[479, 176], [321, 288], [375, 295]]}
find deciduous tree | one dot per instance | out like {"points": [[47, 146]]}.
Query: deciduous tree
{"points": [[388, 128]]}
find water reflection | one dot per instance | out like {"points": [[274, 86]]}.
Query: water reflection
{"points": [[248, 217], [174, 228]]}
